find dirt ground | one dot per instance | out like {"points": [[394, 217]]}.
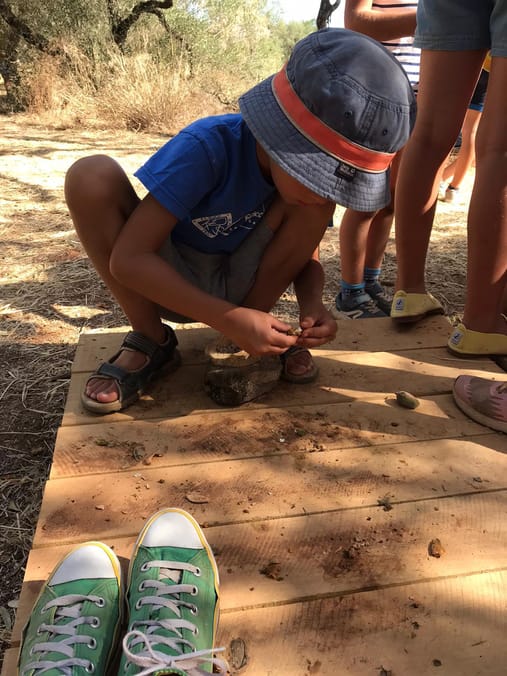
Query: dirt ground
{"points": [[49, 294]]}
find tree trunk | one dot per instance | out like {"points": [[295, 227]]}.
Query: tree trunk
{"points": [[325, 10], [121, 27], [22, 29]]}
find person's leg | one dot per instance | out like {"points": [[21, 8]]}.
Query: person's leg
{"points": [[487, 217], [464, 158], [466, 154], [352, 300], [354, 230], [447, 82], [378, 236], [101, 198], [297, 233]]}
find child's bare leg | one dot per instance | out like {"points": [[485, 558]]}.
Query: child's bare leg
{"points": [[297, 235], [354, 232], [447, 83], [378, 236], [457, 170], [101, 198], [380, 229], [487, 218], [298, 232]]}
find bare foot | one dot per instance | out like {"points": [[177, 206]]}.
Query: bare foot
{"points": [[106, 390]]}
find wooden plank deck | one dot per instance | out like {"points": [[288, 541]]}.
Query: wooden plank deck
{"points": [[334, 484]]}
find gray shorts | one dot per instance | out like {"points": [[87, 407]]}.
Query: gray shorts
{"points": [[226, 276], [462, 25]]}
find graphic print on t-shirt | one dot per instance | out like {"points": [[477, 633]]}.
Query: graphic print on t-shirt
{"points": [[222, 224]]}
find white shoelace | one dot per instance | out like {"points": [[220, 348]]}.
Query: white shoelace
{"points": [[67, 607], [153, 660]]}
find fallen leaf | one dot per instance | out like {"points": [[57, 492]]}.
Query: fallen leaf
{"points": [[435, 548], [238, 656]]}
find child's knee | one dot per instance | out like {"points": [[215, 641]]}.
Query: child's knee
{"points": [[89, 177]]}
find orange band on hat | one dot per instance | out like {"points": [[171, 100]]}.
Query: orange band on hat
{"points": [[321, 135]]}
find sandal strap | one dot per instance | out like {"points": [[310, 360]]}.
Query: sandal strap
{"points": [[138, 341], [108, 370], [131, 382]]}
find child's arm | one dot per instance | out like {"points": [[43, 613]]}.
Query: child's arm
{"points": [[292, 256], [379, 24], [136, 264]]}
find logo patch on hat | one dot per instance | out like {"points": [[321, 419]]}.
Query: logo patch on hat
{"points": [[345, 171]]}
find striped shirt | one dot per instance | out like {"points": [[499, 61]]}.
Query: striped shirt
{"points": [[402, 48]]}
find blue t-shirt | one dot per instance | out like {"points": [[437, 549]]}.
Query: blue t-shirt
{"points": [[208, 176]]}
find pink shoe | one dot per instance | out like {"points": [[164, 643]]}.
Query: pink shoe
{"points": [[483, 400]]}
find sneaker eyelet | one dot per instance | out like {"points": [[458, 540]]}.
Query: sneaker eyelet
{"points": [[141, 586], [194, 591], [138, 604], [194, 610], [95, 622], [145, 567], [196, 631], [90, 669], [92, 644], [197, 572], [100, 603]]}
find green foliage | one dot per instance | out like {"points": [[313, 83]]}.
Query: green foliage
{"points": [[220, 47]]}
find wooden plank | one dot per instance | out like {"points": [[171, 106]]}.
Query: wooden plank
{"points": [[455, 627], [343, 377], [116, 504], [240, 433], [279, 561], [96, 346], [9, 666], [458, 621]]}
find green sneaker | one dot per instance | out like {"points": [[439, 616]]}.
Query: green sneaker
{"points": [[173, 600], [75, 622]]}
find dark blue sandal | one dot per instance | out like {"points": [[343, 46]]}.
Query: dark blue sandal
{"points": [[304, 378], [163, 358]]}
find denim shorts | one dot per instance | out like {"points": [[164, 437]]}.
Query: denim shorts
{"points": [[462, 25], [226, 276]]}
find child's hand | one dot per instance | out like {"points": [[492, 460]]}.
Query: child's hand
{"points": [[318, 327], [258, 333]]}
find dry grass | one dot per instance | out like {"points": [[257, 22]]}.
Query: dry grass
{"points": [[49, 294], [136, 92]]}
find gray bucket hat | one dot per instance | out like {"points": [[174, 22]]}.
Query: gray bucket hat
{"points": [[334, 116]]}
